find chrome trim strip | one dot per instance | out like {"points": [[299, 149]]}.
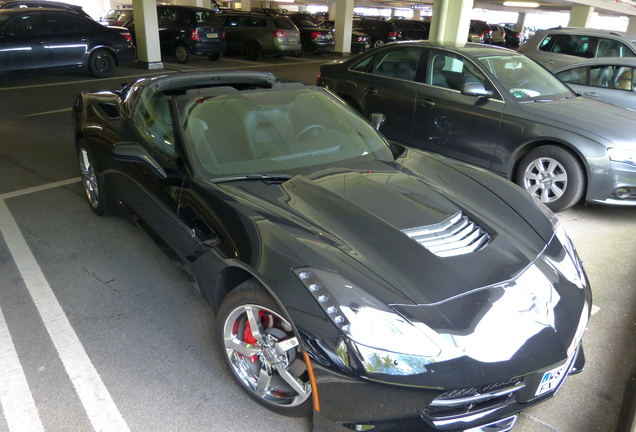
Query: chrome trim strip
{"points": [[478, 398]]}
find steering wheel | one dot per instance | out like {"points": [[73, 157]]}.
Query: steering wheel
{"points": [[310, 132], [520, 93]]}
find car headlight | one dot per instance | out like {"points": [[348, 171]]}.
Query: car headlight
{"points": [[363, 318], [623, 155]]}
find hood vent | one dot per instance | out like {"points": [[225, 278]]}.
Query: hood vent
{"points": [[457, 235]]}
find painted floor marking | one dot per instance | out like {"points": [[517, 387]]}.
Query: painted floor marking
{"points": [[93, 394], [16, 399], [39, 188]]}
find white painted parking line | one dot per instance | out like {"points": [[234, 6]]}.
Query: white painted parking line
{"points": [[16, 399], [39, 188], [48, 112], [93, 394]]}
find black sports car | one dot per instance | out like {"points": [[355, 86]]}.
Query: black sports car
{"points": [[379, 286]]}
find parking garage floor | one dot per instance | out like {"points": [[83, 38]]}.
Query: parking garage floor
{"points": [[142, 338]]}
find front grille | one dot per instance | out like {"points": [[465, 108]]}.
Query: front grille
{"points": [[457, 235], [472, 400]]}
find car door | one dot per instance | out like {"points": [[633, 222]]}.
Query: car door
{"points": [[70, 38], [449, 122], [24, 42], [559, 50], [388, 86], [235, 31]]}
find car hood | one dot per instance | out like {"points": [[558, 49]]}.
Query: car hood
{"points": [[365, 211], [606, 122]]}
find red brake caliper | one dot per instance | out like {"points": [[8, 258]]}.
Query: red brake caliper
{"points": [[267, 321]]}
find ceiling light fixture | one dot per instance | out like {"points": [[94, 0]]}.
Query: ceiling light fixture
{"points": [[521, 4]]}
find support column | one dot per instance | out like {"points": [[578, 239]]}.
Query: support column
{"points": [[580, 16], [343, 23], [416, 14], [451, 21], [521, 22], [147, 33], [631, 24]]}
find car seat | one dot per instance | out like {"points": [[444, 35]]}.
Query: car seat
{"points": [[437, 77]]}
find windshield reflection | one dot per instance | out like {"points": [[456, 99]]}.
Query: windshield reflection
{"points": [[524, 79]]}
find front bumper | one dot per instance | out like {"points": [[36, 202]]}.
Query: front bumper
{"points": [[347, 403], [608, 187]]}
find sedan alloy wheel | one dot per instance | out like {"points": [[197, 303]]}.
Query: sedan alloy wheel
{"points": [[91, 181]]}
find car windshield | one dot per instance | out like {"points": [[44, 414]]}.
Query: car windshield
{"points": [[265, 131], [524, 79]]}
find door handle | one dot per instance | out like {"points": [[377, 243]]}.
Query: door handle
{"points": [[428, 102], [590, 94], [370, 90], [41, 42], [83, 39], [549, 61]]}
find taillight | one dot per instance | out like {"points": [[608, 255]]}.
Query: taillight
{"points": [[319, 79], [316, 35], [361, 38], [127, 36], [223, 34], [195, 35], [280, 33], [393, 34]]}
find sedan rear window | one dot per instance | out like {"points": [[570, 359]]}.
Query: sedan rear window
{"points": [[284, 24]]}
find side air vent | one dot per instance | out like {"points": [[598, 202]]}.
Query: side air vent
{"points": [[457, 235]]}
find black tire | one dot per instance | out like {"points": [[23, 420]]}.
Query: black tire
{"points": [[101, 63], [553, 175], [216, 56], [182, 53], [92, 181], [298, 53], [253, 51], [251, 303]]}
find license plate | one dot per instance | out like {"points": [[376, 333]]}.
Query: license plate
{"points": [[212, 35], [367, 46], [292, 40], [329, 36], [553, 378]]}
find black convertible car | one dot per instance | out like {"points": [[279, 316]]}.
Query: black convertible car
{"points": [[373, 285]]}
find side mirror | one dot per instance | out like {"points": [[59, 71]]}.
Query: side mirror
{"points": [[134, 152], [377, 120], [476, 89]]}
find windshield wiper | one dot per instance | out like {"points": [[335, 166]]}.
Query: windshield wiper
{"points": [[251, 177]]}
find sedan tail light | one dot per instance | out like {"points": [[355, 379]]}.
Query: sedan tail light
{"points": [[127, 36], [195, 35], [279, 33], [316, 35], [393, 34]]}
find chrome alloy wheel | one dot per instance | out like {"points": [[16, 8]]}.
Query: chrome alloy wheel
{"points": [[89, 177], [546, 179], [263, 354]]}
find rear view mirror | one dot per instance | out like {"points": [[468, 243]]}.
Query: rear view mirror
{"points": [[476, 89], [377, 120]]}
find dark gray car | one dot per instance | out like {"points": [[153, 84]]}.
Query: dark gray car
{"points": [[500, 110]]}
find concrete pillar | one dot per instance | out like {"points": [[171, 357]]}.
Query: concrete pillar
{"points": [[333, 6], [416, 14], [580, 16], [147, 33], [631, 24], [521, 22], [451, 21], [343, 25], [392, 13]]}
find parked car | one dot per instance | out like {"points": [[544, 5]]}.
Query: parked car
{"points": [[256, 34], [475, 34], [610, 79], [380, 31], [412, 29], [314, 39], [26, 36], [499, 110], [25, 4], [558, 47], [117, 17], [387, 287], [484, 30], [498, 35], [185, 31], [360, 42], [272, 11], [513, 38]]}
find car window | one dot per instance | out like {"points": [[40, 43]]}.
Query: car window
{"points": [[206, 17], [449, 70], [284, 24], [234, 21], [151, 117], [612, 76], [576, 75], [524, 79], [256, 22], [612, 48], [26, 25], [62, 23], [364, 65], [401, 64], [166, 15], [576, 45]]}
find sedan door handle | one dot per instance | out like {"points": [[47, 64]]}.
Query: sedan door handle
{"points": [[428, 102], [41, 42], [549, 61], [590, 94], [370, 90]]}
